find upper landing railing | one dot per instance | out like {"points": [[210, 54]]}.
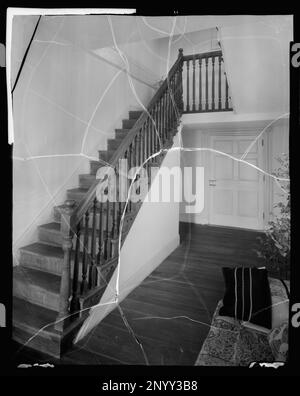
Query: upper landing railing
{"points": [[205, 85]]}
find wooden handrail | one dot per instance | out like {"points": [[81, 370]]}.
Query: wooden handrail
{"points": [[203, 55], [86, 202], [212, 91]]}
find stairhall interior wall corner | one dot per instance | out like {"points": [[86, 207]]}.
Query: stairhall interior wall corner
{"points": [[222, 38]]}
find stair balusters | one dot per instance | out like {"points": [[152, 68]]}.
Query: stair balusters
{"points": [[226, 95], [206, 83], [84, 283], [200, 85], [114, 231], [67, 235], [220, 83], [130, 165], [93, 268], [107, 235], [97, 224], [187, 85], [213, 84], [194, 87], [202, 91], [75, 286], [180, 72], [100, 237]]}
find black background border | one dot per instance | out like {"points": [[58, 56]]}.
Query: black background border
{"points": [[139, 373]]}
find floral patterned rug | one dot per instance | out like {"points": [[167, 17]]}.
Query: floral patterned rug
{"points": [[233, 343]]}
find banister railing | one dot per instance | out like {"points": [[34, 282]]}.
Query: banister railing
{"points": [[92, 227], [205, 85], [130, 136]]}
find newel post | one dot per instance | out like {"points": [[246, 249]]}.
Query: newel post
{"points": [[180, 88], [65, 284]]}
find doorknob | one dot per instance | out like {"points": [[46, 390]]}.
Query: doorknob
{"points": [[212, 182]]}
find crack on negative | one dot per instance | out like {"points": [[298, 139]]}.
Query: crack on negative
{"points": [[67, 112], [119, 263], [116, 289]]}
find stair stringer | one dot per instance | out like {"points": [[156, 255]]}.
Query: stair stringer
{"points": [[147, 244]]}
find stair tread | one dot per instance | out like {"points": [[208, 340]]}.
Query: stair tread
{"points": [[101, 161], [44, 280], [53, 226], [56, 225], [78, 190], [115, 139], [135, 114], [88, 175], [32, 315], [122, 130], [43, 249]]}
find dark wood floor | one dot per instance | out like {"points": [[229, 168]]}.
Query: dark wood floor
{"points": [[169, 314]]}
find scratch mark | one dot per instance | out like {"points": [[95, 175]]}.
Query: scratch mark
{"points": [[97, 106]]}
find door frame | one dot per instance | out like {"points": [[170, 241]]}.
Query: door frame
{"points": [[251, 131]]}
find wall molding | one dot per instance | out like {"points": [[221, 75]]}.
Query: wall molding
{"points": [[228, 121]]}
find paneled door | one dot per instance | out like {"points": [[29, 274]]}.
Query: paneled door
{"points": [[236, 189]]}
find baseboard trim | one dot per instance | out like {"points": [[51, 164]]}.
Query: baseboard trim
{"points": [[192, 218]]}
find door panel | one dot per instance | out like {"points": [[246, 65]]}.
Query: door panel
{"points": [[223, 168], [223, 202], [236, 193], [248, 173]]}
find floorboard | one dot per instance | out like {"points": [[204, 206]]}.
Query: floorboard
{"points": [[170, 312]]}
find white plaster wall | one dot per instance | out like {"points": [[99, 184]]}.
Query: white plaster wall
{"points": [[23, 27], [64, 97], [256, 59], [153, 236], [191, 43]]}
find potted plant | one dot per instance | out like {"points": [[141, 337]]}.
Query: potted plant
{"points": [[274, 246]]}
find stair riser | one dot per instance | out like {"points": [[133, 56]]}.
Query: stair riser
{"points": [[113, 144], [94, 166], [128, 124], [42, 342], [49, 264], [76, 196], [46, 341], [52, 265], [56, 239], [86, 182], [121, 133], [44, 298], [57, 217], [34, 294], [103, 155], [134, 114], [128, 216]]}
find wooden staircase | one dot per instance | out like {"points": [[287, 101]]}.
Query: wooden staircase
{"points": [[37, 278], [62, 275]]}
